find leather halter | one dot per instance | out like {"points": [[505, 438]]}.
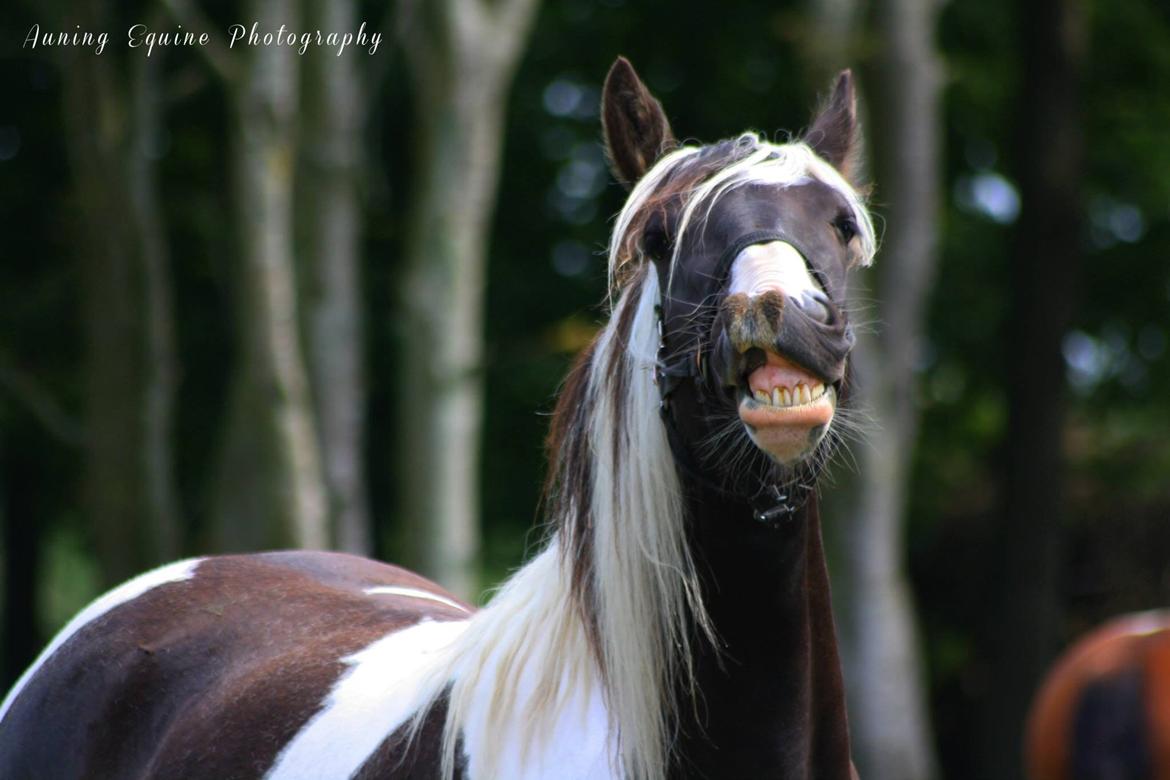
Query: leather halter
{"points": [[773, 505]]}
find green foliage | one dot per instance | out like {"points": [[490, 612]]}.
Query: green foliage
{"points": [[70, 579]]}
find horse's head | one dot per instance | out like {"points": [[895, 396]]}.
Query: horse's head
{"points": [[752, 243]]}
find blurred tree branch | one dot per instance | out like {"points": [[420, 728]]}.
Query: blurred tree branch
{"points": [[24, 388], [217, 56]]}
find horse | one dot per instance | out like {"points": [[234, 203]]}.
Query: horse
{"points": [[1103, 711], [676, 621]]}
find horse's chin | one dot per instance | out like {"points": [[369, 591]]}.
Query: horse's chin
{"points": [[786, 409]]}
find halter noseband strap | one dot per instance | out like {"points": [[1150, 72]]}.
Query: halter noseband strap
{"points": [[723, 267]]}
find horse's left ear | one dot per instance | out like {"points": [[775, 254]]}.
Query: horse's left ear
{"points": [[637, 132], [834, 134]]}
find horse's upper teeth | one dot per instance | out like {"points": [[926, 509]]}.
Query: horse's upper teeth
{"points": [[784, 396]]}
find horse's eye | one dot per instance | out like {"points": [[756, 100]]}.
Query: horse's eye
{"points": [[846, 227]]}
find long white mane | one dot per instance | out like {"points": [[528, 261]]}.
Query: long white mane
{"points": [[546, 638]]}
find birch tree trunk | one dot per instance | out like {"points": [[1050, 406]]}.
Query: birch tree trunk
{"points": [[1021, 635], [332, 119], [270, 488], [462, 54], [129, 487], [888, 705]]}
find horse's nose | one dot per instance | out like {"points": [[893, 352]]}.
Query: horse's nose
{"points": [[816, 305], [775, 266]]}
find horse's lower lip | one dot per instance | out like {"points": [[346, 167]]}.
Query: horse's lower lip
{"points": [[787, 433], [808, 415]]}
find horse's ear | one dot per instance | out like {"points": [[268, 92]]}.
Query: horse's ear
{"points": [[834, 134], [637, 132]]}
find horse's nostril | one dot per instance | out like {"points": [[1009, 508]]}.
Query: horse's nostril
{"points": [[817, 306]]}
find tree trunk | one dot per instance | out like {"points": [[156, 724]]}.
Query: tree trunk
{"points": [[332, 119], [885, 675], [23, 543], [129, 485], [1022, 625], [159, 370], [270, 490], [461, 56], [112, 328]]}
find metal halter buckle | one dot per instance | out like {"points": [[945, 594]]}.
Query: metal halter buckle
{"points": [[772, 507]]}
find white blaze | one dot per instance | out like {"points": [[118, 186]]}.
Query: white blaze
{"points": [[775, 265]]}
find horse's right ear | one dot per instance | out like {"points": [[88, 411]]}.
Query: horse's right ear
{"points": [[834, 133], [636, 130]]}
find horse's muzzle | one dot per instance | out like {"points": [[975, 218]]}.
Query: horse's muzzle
{"points": [[810, 332]]}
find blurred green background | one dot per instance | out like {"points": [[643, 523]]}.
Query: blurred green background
{"points": [[1102, 548]]}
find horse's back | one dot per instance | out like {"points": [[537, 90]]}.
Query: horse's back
{"points": [[212, 667]]}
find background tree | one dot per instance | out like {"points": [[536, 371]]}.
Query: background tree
{"points": [[1046, 260], [884, 641], [333, 120], [461, 57], [111, 131], [270, 489], [745, 66], [867, 507]]}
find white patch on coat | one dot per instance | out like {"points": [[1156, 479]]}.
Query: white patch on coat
{"points": [[414, 593], [124, 593], [776, 265], [376, 695]]}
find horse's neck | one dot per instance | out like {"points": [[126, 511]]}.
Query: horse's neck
{"points": [[773, 704]]}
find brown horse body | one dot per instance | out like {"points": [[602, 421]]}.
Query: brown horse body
{"points": [[1104, 709]]}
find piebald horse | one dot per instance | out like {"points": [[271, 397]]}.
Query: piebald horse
{"points": [[677, 621]]}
